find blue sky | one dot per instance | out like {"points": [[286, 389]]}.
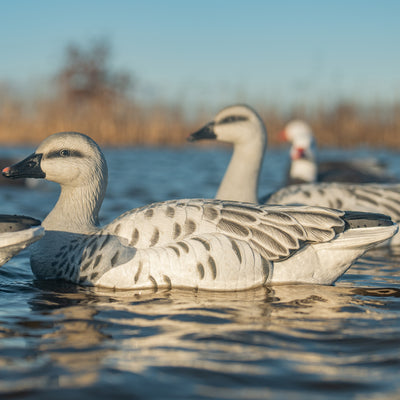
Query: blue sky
{"points": [[216, 52]]}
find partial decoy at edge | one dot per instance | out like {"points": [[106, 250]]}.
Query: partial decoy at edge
{"points": [[16, 233], [196, 243]]}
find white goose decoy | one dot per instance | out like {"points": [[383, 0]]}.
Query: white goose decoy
{"points": [[243, 127], [201, 244], [304, 167], [16, 233]]}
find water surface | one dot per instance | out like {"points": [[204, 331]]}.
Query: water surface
{"points": [[62, 341]]}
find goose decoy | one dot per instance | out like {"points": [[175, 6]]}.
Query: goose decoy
{"points": [[305, 168], [195, 243], [243, 127], [240, 124], [16, 233]]}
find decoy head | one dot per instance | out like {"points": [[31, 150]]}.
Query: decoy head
{"points": [[300, 134], [238, 124], [67, 158], [297, 131]]}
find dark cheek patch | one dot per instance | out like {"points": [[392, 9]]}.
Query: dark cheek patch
{"points": [[71, 153], [233, 118]]}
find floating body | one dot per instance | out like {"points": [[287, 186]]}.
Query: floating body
{"points": [[369, 197], [201, 244]]}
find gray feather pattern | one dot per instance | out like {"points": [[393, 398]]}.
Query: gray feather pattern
{"points": [[275, 232]]}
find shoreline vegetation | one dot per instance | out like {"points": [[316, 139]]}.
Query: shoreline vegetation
{"points": [[120, 121], [86, 95]]}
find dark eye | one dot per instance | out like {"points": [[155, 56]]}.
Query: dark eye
{"points": [[64, 153]]}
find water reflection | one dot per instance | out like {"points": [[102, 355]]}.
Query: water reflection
{"points": [[81, 337]]}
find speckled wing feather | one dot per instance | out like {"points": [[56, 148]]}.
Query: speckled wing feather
{"points": [[274, 232], [383, 198]]}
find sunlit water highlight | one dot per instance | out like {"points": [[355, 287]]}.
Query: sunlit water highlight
{"points": [[60, 341]]}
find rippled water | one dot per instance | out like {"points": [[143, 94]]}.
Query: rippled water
{"points": [[61, 341]]}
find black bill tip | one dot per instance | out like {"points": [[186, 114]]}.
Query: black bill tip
{"points": [[27, 168], [207, 132]]}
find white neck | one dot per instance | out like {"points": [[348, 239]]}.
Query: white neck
{"points": [[77, 209], [240, 181], [304, 170]]}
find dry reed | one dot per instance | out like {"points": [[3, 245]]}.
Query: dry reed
{"points": [[120, 121]]}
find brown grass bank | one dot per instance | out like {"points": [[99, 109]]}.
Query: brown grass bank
{"points": [[124, 122]]}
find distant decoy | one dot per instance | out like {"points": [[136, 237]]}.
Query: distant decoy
{"points": [[305, 168]]}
